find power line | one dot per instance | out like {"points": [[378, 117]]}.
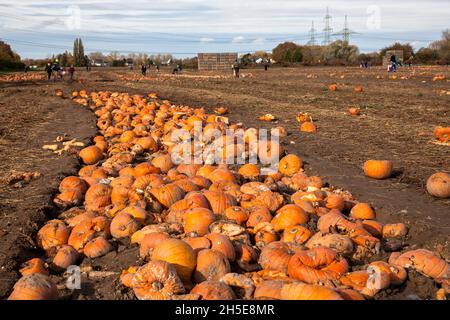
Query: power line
{"points": [[312, 33], [346, 32], [327, 30]]}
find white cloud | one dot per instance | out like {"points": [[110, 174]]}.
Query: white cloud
{"points": [[238, 39], [259, 40], [206, 40]]}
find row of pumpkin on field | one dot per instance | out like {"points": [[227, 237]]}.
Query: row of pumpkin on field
{"points": [[215, 231]]}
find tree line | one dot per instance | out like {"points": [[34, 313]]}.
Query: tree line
{"points": [[343, 53]]}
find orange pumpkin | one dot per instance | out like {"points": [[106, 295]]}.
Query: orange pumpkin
{"points": [[91, 155], [213, 290], [438, 185], [34, 265], [97, 247], [167, 194], [157, 280], [442, 133], [290, 165], [250, 171], [211, 265], [308, 127], [198, 220], [52, 234], [289, 216], [124, 225], [65, 256], [34, 286], [317, 265], [362, 211], [395, 230], [149, 242], [296, 234], [179, 254], [378, 169], [302, 291]]}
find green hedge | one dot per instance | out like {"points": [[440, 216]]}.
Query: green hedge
{"points": [[11, 66]]}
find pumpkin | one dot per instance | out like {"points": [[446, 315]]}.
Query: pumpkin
{"points": [[358, 88], [340, 243], [308, 127], [397, 275], [258, 215], [98, 197], [97, 247], [149, 242], [334, 201], [288, 216], [219, 201], [317, 265], [179, 254], [442, 133], [290, 165], [34, 286], [250, 171], [144, 168], [156, 280], [147, 144], [138, 213], [237, 214], [213, 290], [68, 199], [198, 220], [73, 183], [396, 230], [198, 243], [378, 169], [91, 154], [438, 185], [65, 256], [34, 265], [124, 225], [296, 234], [126, 276], [332, 87], [353, 111], [163, 162], [167, 194], [211, 265], [269, 289], [362, 211], [276, 255], [221, 174], [375, 228], [222, 244], [423, 261], [52, 234], [302, 291]]}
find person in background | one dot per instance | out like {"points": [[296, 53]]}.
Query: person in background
{"points": [[26, 69], [266, 65], [144, 70], [394, 63], [157, 68], [49, 70], [235, 67], [71, 71]]}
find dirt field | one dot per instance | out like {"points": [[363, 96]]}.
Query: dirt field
{"points": [[396, 123]]}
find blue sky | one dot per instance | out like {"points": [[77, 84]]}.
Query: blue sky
{"points": [[184, 27]]}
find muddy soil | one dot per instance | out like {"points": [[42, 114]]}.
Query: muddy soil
{"points": [[396, 123]]}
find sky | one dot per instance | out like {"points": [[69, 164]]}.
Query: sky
{"points": [[37, 29]]}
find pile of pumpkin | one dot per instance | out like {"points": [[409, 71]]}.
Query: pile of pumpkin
{"points": [[214, 231], [19, 77]]}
